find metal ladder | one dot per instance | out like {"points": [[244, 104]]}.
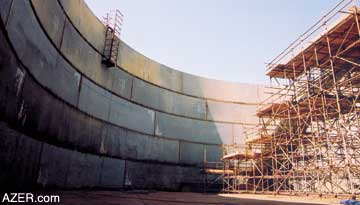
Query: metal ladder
{"points": [[113, 22]]}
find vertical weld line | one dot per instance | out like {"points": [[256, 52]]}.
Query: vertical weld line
{"points": [[181, 89], [16, 144], [62, 33], [79, 90], [204, 153], [15, 156], [125, 172], [8, 14], [110, 100], [131, 88], [101, 171], [179, 154], [112, 90], [206, 109], [154, 121], [72, 152], [39, 162]]}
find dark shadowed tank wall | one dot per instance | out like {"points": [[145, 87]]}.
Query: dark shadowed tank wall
{"points": [[66, 121]]}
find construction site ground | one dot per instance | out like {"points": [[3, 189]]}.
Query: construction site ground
{"points": [[178, 198]]}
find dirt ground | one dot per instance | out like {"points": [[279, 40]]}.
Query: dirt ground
{"points": [[182, 198]]}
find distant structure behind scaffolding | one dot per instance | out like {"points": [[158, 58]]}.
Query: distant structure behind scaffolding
{"points": [[309, 138]]}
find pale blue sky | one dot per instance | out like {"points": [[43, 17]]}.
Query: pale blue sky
{"points": [[220, 39]]}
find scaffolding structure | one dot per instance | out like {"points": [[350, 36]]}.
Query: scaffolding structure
{"points": [[247, 168], [309, 138]]}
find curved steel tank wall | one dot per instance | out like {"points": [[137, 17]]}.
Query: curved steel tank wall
{"points": [[75, 123]]}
